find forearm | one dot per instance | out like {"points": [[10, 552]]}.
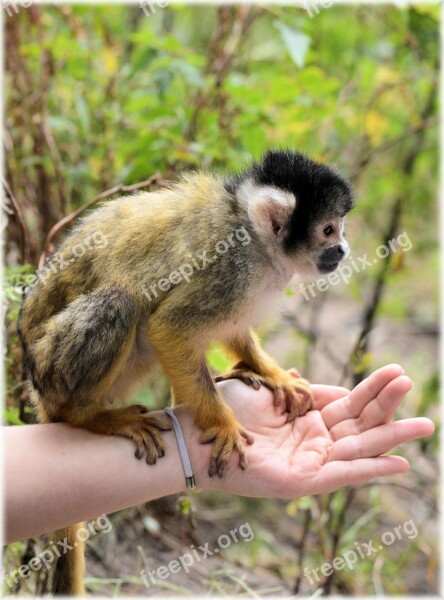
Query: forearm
{"points": [[57, 475]]}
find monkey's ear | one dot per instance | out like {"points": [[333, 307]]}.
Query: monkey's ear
{"points": [[269, 208]]}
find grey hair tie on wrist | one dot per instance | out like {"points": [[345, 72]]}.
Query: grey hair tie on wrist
{"points": [[188, 471]]}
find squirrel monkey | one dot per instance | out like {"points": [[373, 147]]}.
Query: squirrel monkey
{"points": [[175, 270]]}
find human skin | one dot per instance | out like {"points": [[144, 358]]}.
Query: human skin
{"points": [[56, 475]]}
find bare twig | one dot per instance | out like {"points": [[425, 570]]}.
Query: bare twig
{"points": [[24, 233], [156, 178], [388, 144], [301, 549], [336, 537], [361, 346], [233, 24]]}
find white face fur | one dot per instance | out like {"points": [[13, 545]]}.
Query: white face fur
{"points": [[269, 210]]}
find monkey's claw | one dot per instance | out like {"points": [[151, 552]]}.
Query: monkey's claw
{"points": [[291, 391], [298, 396], [225, 439], [242, 372], [146, 436], [137, 424]]}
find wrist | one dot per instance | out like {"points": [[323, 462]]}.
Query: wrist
{"points": [[199, 454]]}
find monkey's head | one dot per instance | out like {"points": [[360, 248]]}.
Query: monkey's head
{"points": [[297, 206]]}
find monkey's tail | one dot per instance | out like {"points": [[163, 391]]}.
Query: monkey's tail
{"points": [[65, 549], [67, 570]]}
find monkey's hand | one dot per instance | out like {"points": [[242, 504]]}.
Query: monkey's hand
{"points": [[226, 435], [291, 391], [135, 423]]}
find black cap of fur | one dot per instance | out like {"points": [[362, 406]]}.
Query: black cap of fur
{"points": [[321, 192]]}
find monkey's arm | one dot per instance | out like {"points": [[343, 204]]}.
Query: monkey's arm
{"points": [[255, 367]]}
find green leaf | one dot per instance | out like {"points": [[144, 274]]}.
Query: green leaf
{"points": [[82, 112], [297, 43]]}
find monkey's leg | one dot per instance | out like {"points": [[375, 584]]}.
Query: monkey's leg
{"points": [[184, 364], [85, 349], [256, 367]]}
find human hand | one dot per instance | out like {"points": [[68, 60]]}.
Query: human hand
{"points": [[340, 442]]}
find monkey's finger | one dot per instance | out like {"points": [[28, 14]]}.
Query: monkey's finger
{"points": [[151, 453], [157, 440], [243, 463], [290, 400], [223, 457], [294, 373], [144, 446], [150, 447], [227, 377], [250, 380], [212, 470], [140, 446], [214, 466], [254, 383], [248, 438], [292, 413], [301, 404], [239, 447], [139, 409], [279, 396]]}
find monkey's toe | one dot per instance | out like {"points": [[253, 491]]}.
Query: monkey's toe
{"points": [[153, 443], [138, 409], [242, 372], [299, 401], [137, 424], [223, 445]]}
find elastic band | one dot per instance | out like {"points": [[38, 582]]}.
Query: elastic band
{"points": [[188, 471]]}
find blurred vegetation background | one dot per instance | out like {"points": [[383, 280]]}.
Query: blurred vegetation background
{"points": [[107, 95]]}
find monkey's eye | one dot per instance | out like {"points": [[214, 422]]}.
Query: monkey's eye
{"points": [[328, 230]]}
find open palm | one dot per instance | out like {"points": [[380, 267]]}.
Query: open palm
{"points": [[340, 442]]}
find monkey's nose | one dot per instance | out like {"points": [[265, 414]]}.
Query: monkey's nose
{"points": [[334, 254]]}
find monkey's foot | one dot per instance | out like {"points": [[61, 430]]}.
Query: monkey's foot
{"points": [[291, 391], [135, 423], [226, 436]]}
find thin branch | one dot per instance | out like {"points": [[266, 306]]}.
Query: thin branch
{"points": [[361, 346], [390, 143], [154, 179], [336, 537], [301, 548], [362, 343], [17, 212], [220, 59]]}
